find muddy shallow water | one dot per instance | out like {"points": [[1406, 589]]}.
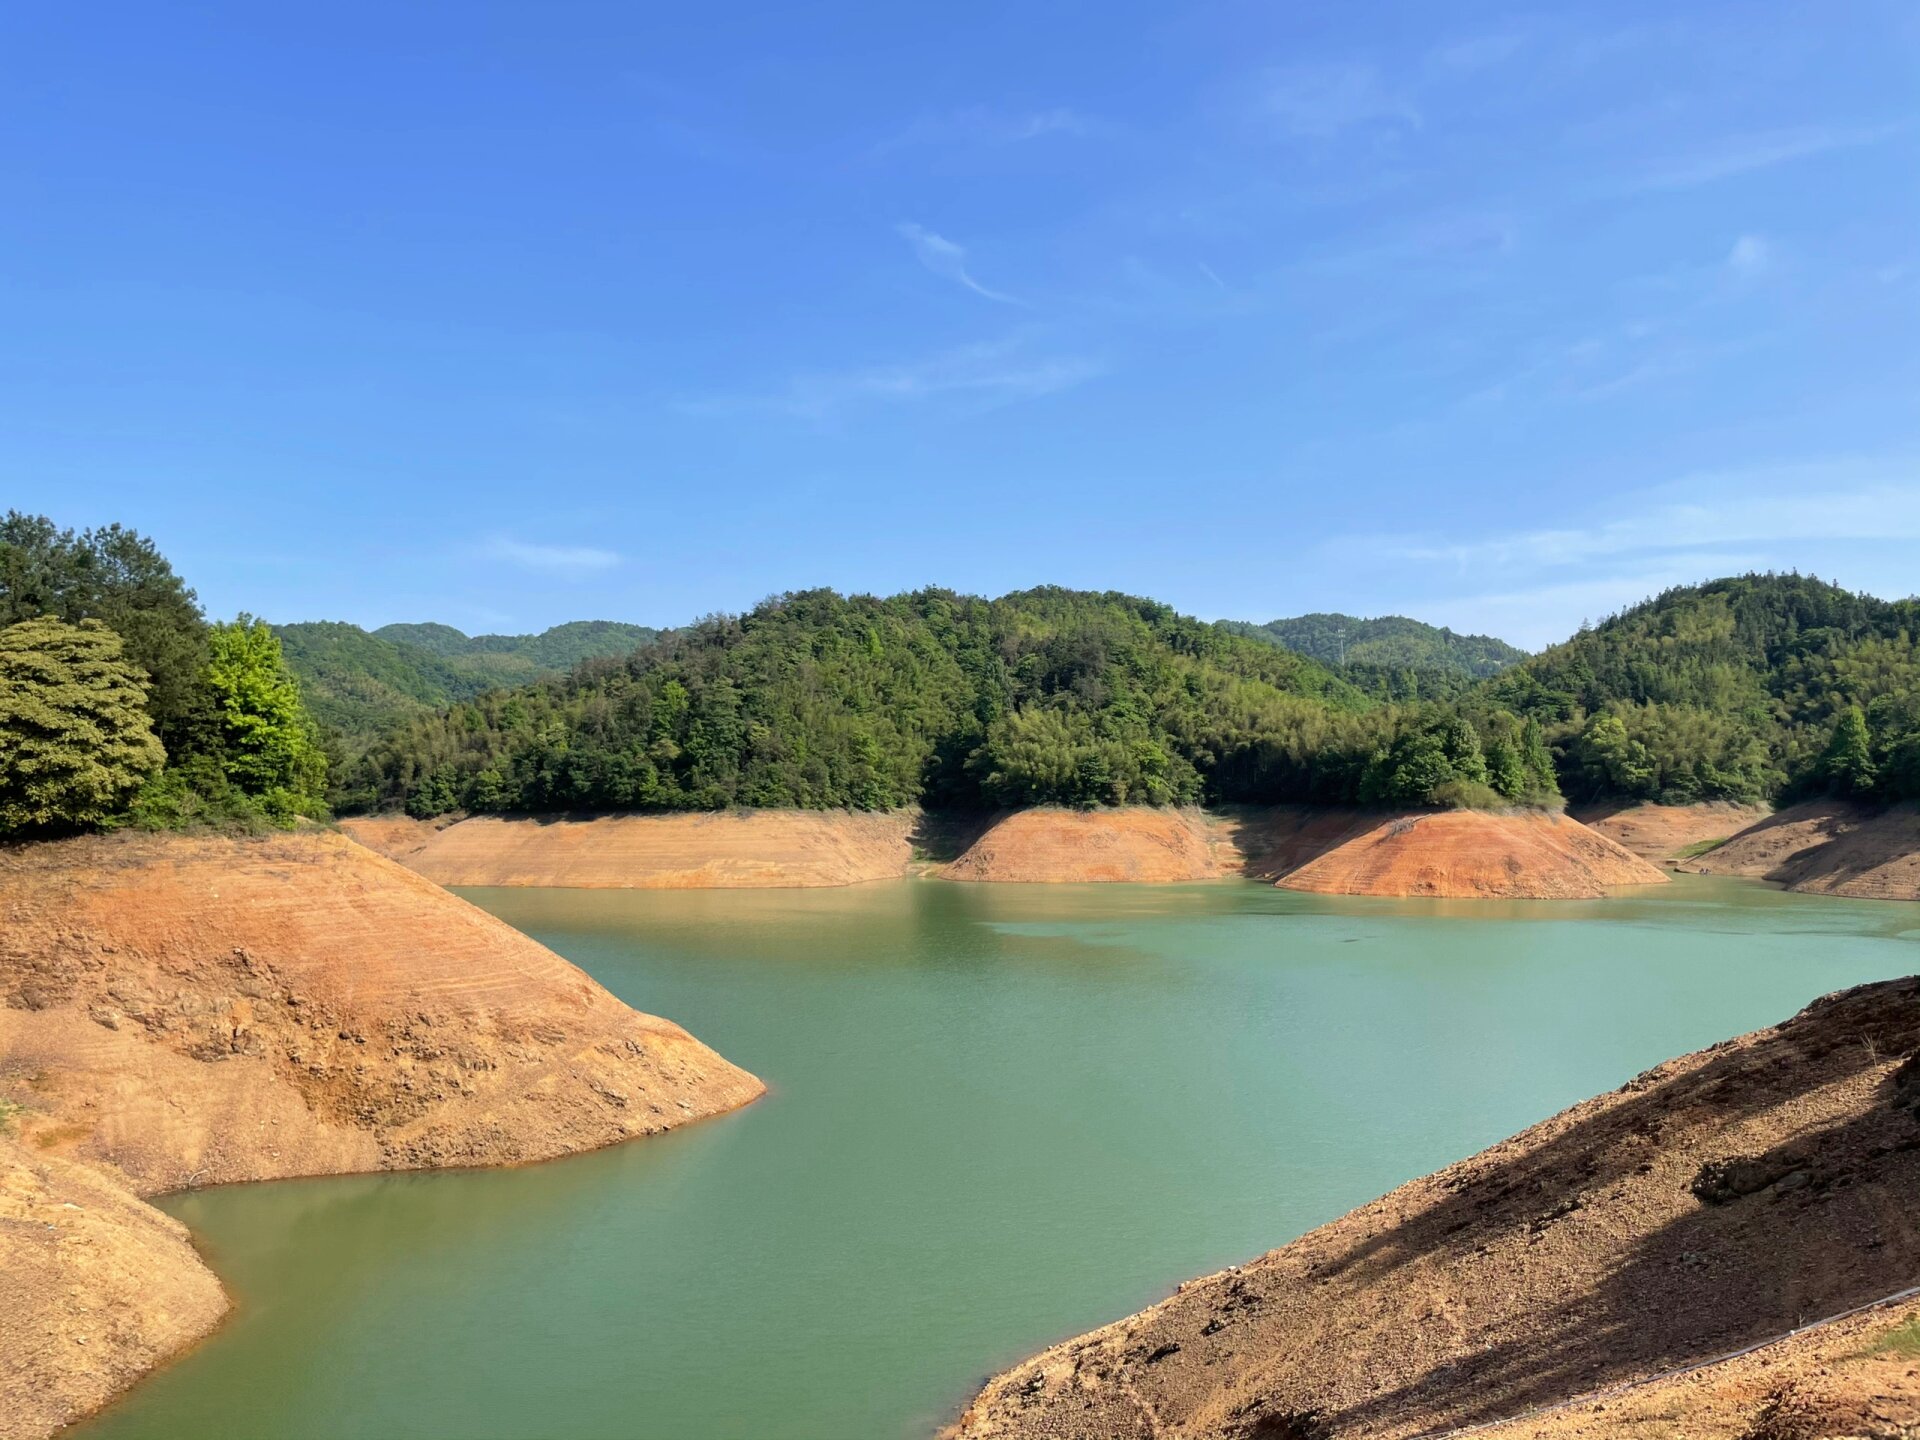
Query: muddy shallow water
{"points": [[1000, 1115]]}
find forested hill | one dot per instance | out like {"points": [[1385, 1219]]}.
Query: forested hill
{"points": [[1749, 688], [816, 699], [1391, 656], [1746, 688], [361, 683]]}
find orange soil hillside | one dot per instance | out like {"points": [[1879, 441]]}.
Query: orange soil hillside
{"points": [[96, 1288], [1830, 847], [1469, 854], [1717, 1201], [760, 848], [1661, 833], [179, 1012], [1139, 844]]}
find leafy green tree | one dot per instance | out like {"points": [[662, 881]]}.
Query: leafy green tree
{"points": [[1846, 765], [75, 737], [1537, 761], [1506, 771], [116, 576], [1614, 762], [269, 746]]}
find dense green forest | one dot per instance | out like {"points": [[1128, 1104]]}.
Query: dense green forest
{"points": [[1752, 688], [1391, 657], [121, 704], [1048, 695], [360, 683], [1736, 689]]}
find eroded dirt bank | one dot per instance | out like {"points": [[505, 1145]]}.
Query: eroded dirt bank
{"points": [[760, 848], [1828, 847], [1139, 844], [1856, 1379], [184, 1012], [1665, 833], [1469, 854], [1336, 851], [1717, 1200], [96, 1288]]}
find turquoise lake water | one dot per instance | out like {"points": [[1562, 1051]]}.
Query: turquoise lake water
{"points": [[999, 1115]]}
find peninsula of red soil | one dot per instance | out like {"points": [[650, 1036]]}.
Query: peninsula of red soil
{"points": [[1140, 844], [1828, 847], [1445, 854], [748, 849], [1717, 1201], [1667, 834], [1471, 854], [179, 1012]]}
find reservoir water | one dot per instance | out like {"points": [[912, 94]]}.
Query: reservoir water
{"points": [[999, 1115]]}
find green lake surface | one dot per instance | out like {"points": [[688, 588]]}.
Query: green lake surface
{"points": [[1000, 1115]]}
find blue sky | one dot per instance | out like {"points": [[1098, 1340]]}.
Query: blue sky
{"points": [[509, 314]]}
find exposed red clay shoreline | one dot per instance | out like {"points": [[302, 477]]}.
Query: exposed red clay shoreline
{"points": [[1663, 833], [1468, 854], [1828, 847], [1445, 854], [1717, 1201], [178, 1012], [1139, 844], [753, 849]]}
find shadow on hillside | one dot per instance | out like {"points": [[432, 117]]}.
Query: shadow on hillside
{"points": [[1819, 1223], [1275, 840], [1840, 841], [944, 836]]}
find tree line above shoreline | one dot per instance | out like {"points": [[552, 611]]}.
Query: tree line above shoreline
{"points": [[1751, 688]]}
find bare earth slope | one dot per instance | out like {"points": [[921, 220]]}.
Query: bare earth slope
{"points": [[1832, 847], [180, 1012], [1457, 854], [1470, 854], [98, 1287], [204, 1011], [1858, 1377], [760, 848], [1661, 833], [1717, 1200], [1138, 844]]}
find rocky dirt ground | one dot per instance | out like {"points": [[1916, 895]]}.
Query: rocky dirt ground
{"points": [[1665, 834], [1717, 1200], [751, 849], [1454, 854], [179, 1012], [1473, 855], [1828, 847]]}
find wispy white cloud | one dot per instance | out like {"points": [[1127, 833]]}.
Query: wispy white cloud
{"points": [[1532, 586], [991, 373], [1750, 258], [1821, 501], [570, 560], [1743, 154], [947, 260], [1320, 101], [980, 125]]}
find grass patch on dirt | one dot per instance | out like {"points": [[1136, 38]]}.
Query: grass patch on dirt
{"points": [[1903, 1340], [1699, 848]]}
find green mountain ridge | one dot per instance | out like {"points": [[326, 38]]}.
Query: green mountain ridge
{"points": [[1731, 689], [1391, 657], [360, 682], [1048, 695], [1749, 688]]}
